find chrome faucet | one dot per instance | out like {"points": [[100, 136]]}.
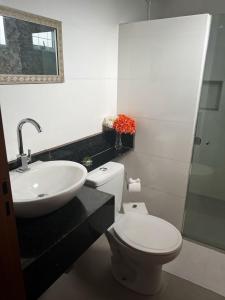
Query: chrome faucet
{"points": [[23, 158]]}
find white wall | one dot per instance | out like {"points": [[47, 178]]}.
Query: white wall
{"points": [[175, 8], [74, 109], [160, 70]]}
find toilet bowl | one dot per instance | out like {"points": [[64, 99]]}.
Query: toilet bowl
{"points": [[140, 243]]}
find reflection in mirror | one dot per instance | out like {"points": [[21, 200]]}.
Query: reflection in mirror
{"points": [[27, 48], [30, 48], [2, 31]]}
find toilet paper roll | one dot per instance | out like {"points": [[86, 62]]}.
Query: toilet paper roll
{"points": [[134, 185]]}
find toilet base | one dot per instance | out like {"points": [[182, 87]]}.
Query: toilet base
{"points": [[137, 270], [134, 273], [143, 280]]}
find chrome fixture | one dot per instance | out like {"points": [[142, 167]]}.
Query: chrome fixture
{"points": [[23, 158]]}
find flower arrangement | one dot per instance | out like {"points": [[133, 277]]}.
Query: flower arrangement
{"points": [[121, 124], [124, 124], [109, 121]]}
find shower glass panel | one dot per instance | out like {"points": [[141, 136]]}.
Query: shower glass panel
{"points": [[204, 218]]}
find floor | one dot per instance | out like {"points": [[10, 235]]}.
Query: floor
{"points": [[204, 220], [91, 279]]}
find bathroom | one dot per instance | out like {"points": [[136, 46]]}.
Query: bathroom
{"points": [[161, 63]]}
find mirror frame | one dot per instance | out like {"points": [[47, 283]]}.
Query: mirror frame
{"points": [[20, 78]]}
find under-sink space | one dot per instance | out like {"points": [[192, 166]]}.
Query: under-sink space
{"points": [[52, 243]]}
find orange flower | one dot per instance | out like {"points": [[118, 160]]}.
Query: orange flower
{"points": [[124, 124]]}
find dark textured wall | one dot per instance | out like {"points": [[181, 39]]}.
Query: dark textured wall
{"points": [[19, 55]]}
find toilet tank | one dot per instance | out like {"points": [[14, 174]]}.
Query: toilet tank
{"points": [[108, 178]]}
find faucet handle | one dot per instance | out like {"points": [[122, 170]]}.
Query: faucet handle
{"points": [[29, 155]]}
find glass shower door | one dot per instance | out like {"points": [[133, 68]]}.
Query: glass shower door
{"points": [[204, 218]]}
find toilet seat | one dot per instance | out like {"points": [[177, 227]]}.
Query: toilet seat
{"points": [[148, 233]]}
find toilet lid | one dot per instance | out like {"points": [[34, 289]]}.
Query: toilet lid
{"points": [[148, 233]]}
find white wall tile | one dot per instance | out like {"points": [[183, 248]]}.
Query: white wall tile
{"points": [[168, 207], [155, 99], [164, 99], [88, 55], [160, 204], [160, 67], [175, 8], [68, 114], [162, 174], [201, 265], [163, 95], [170, 140], [76, 108]]}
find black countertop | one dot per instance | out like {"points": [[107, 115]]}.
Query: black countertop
{"points": [[50, 244]]}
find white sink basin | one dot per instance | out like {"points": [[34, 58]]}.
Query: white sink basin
{"points": [[46, 187]]}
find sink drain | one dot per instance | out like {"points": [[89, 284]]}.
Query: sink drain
{"points": [[42, 195]]}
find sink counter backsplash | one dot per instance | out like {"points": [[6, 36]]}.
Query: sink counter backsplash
{"points": [[97, 150]]}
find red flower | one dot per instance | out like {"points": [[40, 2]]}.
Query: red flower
{"points": [[124, 124]]}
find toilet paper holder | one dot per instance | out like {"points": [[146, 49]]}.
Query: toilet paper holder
{"points": [[131, 181]]}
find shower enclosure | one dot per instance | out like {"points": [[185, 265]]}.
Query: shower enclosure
{"points": [[204, 218]]}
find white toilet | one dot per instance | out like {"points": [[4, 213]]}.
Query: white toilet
{"points": [[140, 243]]}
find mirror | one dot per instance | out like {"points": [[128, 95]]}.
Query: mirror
{"points": [[30, 48]]}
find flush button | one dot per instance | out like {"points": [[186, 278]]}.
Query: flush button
{"points": [[103, 169], [134, 206]]}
